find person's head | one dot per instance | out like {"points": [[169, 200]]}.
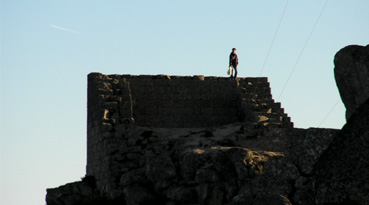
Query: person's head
{"points": [[233, 50]]}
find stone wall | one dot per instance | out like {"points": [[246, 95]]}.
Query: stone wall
{"points": [[116, 102], [168, 101]]}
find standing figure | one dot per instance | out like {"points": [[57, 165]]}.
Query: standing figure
{"points": [[233, 62]]}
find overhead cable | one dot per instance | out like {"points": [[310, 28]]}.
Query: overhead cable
{"points": [[303, 48], [329, 112], [275, 34]]}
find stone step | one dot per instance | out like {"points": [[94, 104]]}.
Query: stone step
{"points": [[267, 101], [248, 83], [276, 125], [255, 107], [273, 110], [276, 106], [255, 92], [264, 118], [269, 125], [256, 96], [253, 84], [258, 90], [257, 80], [260, 108], [287, 119], [277, 110], [266, 106], [273, 116]]}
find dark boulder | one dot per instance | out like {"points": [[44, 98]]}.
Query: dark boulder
{"points": [[352, 76], [305, 146], [161, 172], [279, 176], [181, 194], [341, 175], [137, 195], [133, 177], [69, 194]]}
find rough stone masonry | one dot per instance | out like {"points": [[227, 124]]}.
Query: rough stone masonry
{"points": [[169, 102], [161, 140]]}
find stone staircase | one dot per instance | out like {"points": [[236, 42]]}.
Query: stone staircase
{"points": [[255, 94]]}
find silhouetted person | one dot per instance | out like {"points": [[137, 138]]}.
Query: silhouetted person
{"points": [[233, 62]]}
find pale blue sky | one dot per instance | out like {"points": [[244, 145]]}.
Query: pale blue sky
{"points": [[44, 68]]}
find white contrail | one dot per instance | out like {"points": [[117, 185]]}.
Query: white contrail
{"points": [[64, 29]]}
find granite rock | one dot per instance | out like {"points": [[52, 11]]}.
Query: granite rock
{"points": [[137, 195], [161, 172], [69, 194], [352, 76], [305, 146], [341, 174]]}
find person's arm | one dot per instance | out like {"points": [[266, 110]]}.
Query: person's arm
{"points": [[236, 60]]}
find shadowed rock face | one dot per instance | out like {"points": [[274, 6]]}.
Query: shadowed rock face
{"points": [[238, 163], [342, 173], [352, 76]]}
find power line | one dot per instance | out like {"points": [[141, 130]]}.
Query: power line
{"points": [[275, 34], [329, 112], [303, 48]]}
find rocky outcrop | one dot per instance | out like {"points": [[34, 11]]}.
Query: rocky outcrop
{"points": [[191, 168], [71, 193], [244, 163], [232, 164], [210, 166], [185, 166], [305, 146], [238, 163], [288, 179], [352, 76], [342, 172]]}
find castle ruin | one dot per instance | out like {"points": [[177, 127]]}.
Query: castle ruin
{"points": [[163, 101], [211, 140]]}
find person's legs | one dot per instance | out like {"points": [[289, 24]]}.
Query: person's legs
{"points": [[235, 73], [231, 73]]}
